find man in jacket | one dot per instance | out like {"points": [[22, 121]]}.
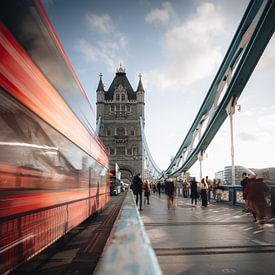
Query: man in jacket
{"points": [[137, 189]]}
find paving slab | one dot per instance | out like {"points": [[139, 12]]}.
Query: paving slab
{"points": [[219, 239]]}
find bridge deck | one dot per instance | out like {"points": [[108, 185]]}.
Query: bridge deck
{"points": [[218, 239]]}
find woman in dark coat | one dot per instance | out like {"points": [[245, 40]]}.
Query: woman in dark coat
{"points": [[194, 191], [170, 191], [255, 193], [204, 192]]}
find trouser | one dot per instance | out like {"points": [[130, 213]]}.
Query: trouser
{"points": [[159, 191], [139, 197], [204, 197]]}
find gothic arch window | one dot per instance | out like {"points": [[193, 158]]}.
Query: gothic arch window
{"points": [[117, 97], [120, 131], [120, 151]]}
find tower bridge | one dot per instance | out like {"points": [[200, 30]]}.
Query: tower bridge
{"points": [[117, 107], [54, 168]]}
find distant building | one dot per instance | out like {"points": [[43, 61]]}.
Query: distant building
{"points": [[220, 175], [118, 115], [226, 175], [267, 173]]}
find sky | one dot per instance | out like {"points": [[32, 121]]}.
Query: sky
{"points": [[178, 47]]}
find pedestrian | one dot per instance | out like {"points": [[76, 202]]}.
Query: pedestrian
{"points": [[255, 193], [137, 189], [194, 191], [159, 187], [185, 189], [204, 191], [170, 192], [147, 191], [154, 188], [244, 183], [219, 191], [214, 189]]}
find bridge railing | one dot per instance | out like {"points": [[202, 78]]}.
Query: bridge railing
{"points": [[129, 250], [233, 195]]}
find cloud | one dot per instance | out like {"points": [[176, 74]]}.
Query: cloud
{"points": [[99, 23], [109, 42], [161, 15], [191, 49], [104, 52], [243, 136], [104, 25]]}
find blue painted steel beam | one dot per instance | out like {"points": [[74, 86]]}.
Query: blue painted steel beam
{"points": [[248, 61]]}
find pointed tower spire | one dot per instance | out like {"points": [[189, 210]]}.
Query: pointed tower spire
{"points": [[140, 86], [100, 86]]}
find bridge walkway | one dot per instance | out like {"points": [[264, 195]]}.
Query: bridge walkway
{"points": [[219, 239]]}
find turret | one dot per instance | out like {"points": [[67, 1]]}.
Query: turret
{"points": [[140, 98], [100, 97]]}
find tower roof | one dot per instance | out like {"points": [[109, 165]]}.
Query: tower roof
{"points": [[120, 79], [140, 86], [100, 86]]}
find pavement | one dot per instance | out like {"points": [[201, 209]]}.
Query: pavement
{"points": [[219, 239], [79, 251]]}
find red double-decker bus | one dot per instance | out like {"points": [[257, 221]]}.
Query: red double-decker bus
{"points": [[53, 169]]}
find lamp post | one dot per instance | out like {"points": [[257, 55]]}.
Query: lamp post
{"points": [[231, 111]]}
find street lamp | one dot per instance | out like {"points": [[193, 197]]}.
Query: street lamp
{"points": [[231, 111]]}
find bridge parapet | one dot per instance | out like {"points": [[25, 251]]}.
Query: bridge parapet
{"points": [[233, 195], [130, 250]]}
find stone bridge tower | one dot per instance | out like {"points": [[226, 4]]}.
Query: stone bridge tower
{"points": [[119, 110]]}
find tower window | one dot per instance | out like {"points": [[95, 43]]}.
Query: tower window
{"points": [[122, 97], [117, 97], [120, 151], [120, 131]]}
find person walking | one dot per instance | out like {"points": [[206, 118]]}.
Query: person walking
{"points": [[244, 183], [137, 189], [194, 191], [159, 187], [255, 193], [185, 189], [147, 192], [170, 192], [204, 190]]}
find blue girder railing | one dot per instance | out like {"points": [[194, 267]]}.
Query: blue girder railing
{"points": [[233, 195], [152, 167], [247, 46]]}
